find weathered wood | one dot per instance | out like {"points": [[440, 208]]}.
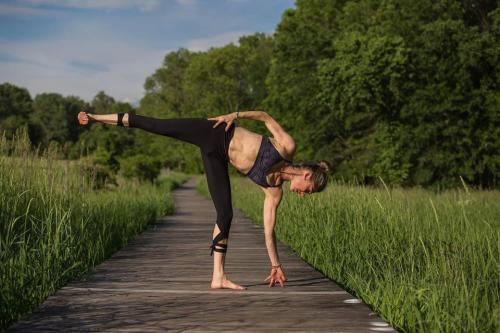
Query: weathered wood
{"points": [[161, 282]]}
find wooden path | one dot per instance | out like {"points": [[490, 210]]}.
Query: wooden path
{"points": [[161, 282]]}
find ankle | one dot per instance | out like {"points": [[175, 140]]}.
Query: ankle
{"points": [[218, 275]]}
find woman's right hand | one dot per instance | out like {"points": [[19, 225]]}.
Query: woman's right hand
{"points": [[276, 276], [83, 118], [227, 118]]}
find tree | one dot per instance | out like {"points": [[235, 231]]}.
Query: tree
{"points": [[50, 115], [145, 168], [361, 91], [164, 89], [215, 82], [15, 108], [102, 103], [406, 90]]}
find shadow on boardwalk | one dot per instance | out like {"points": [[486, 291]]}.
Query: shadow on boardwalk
{"points": [[161, 282]]}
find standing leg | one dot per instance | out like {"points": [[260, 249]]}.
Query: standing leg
{"points": [[216, 171], [200, 132]]}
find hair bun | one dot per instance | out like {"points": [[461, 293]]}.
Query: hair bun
{"points": [[325, 165]]}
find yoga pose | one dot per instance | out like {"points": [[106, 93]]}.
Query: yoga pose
{"points": [[267, 161]]}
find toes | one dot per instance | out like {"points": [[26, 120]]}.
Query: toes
{"points": [[231, 285]]}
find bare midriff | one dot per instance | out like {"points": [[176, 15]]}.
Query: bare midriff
{"points": [[244, 147]]}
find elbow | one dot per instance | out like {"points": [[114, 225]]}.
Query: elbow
{"points": [[265, 116]]}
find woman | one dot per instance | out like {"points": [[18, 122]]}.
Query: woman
{"points": [[265, 160]]}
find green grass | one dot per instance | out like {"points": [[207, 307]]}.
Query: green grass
{"points": [[426, 262], [54, 227]]}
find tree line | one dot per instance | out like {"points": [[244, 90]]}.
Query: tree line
{"points": [[404, 90]]}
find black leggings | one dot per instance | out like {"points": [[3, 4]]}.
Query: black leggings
{"points": [[214, 146]]}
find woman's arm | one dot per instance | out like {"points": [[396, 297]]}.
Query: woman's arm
{"points": [[282, 137], [254, 115], [270, 209], [111, 119], [231, 117], [271, 203]]}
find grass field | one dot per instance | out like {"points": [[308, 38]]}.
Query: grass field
{"points": [[54, 226], [426, 262]]}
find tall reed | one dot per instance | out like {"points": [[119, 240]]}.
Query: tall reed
{"points": [[54, 227], [425, 262]]}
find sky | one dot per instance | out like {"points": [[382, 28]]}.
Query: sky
{"points": [[79, 47]]}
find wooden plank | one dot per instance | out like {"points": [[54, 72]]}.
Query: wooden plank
{"points": [[161, 282]]}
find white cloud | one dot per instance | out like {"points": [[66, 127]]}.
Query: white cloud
{"points": [[87, 58], [203, 44], [186, 2], [83, 57], [99, 4], [49, 65], [8, 10]]}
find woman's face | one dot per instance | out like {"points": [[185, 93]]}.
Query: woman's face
{"points": [[301, 183]]}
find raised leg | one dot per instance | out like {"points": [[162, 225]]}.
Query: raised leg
{"points": [[198, 131]]}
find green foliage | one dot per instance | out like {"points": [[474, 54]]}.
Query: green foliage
{"points": [[257, 49], [360, 88], [426, 70], [101, 166], [53, 115], [164, 89], [303, 38], [145, 168], [203, 84], [15, 108], [449, 97], [392, 161], [102, 103], [54, 227], [215, 82], [404, 90]]}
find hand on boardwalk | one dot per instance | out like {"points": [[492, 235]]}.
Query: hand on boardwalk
{"points": [[276, 276], [83, 118]]}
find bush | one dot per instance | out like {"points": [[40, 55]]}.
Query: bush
{"points": [[144, 167]]}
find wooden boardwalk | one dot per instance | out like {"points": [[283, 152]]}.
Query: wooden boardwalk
{"points": [[161, 282]]}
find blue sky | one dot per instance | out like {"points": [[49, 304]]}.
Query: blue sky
{"points": [[78, 47]]}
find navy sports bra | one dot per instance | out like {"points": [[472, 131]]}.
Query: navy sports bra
{"points": [[266, 158]]}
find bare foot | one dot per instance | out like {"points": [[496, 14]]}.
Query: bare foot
{"points": [[225, 284]]}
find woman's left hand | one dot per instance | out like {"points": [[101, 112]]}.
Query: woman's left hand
{"points": [[276, 276], [227, 118]]}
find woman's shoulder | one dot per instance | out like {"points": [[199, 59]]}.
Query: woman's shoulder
{"points": [[283, 151]]}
